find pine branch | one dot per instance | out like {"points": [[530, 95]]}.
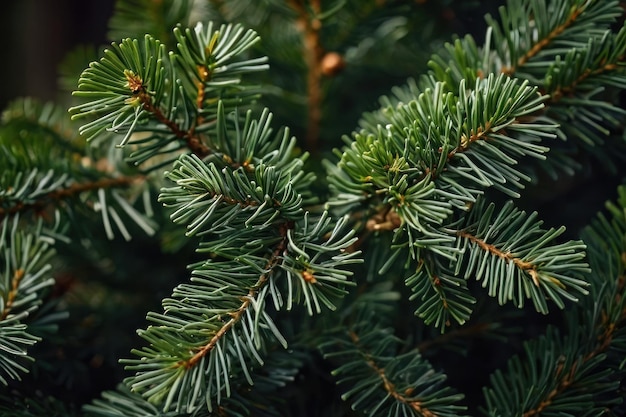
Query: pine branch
{"points": [[231, 295], [577, 82], [565, 380], [45, 193], [450, 142], [24, 257], [564, 47], [249, 213], [579, 371], [61, 174], [378, 380], [263, 399], [451, 145], [520, 41], [424, 174], [38, 201], [517, 259], [171, 97], [581, 69], [236, 317]]}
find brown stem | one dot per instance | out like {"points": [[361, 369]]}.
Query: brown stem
{"points": [[417, 406], [15, 283], [480, 134], [568, 380], [539, 46], [238, 314], [68, 192], [193, 141], [603, 343], [520, 263], [561, 91], [313, 54]]}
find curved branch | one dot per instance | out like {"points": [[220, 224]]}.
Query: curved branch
{"points": [[609, 328], [236, 316], [567, 90], [539, 46], [68, 192], [389, 386], [507, 256]]}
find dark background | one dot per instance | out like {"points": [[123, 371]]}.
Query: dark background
{"points": [[36, 35]]}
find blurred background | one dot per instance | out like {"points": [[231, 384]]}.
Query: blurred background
{"points": [[36, 36]]}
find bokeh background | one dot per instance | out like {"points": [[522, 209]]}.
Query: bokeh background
{"points": [[36, 35]]}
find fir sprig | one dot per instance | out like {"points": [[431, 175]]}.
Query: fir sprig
{"points": [[568, 49], [24, 279], [213, 328], [379, 380], [576, 370], [64, 173], [516, 259], [474, 140], [169, 96], [526, 46], [436, 155]]}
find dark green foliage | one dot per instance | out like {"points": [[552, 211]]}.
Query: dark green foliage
{"points": [[377, 378], [579, 369], [25, 278], [348, 279]]}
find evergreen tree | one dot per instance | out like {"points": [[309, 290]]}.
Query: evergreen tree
{"points": [[402, 269]]}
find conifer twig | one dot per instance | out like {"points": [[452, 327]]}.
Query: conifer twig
{"points": [[18, 275], [388, 385], [68, 192], [542, 43], [520, 263], [567, 379], [194, 143], [246, 302], [564, 90]]}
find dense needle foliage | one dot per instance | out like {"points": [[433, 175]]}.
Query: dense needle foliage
{"points": [[219, 180]]}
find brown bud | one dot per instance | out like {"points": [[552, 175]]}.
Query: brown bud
{"points": [[309, 277], [332, 64]]}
